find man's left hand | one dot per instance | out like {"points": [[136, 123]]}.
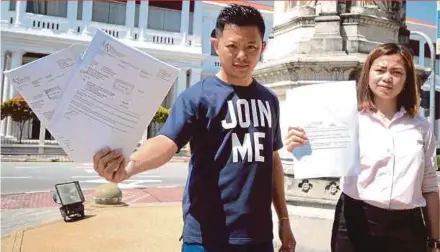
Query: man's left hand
{"points": [[288, 242]]}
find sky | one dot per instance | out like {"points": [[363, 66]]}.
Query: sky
{"points": [[422, 10]]}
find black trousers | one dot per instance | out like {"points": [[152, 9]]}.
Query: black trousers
{"points": [[360, 227]]}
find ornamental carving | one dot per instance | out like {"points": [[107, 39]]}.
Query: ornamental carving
{"points": [[305, 185], [292, 73], [294, 4], [332, 188]]}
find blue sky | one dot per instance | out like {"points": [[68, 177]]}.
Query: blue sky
{"points": [[422, 10]]}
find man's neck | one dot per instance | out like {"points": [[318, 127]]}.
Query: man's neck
{"points": [[244, 82]]}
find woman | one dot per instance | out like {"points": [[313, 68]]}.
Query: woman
{"points": [[381, 208]]}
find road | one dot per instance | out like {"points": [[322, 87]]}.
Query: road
{"points": [[36, 177]]}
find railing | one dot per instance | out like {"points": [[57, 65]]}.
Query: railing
{"points": [[62, 25], [211, 63], [117, 31], [15, 140], [55, 24]]}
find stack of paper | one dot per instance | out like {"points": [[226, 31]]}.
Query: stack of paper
{"points": [[331, 125], [104, 97]]}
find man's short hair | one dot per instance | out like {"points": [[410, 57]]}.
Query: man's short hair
{"points": [[240, 15]]}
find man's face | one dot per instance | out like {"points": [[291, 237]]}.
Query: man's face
{"points": [[239, 49]]}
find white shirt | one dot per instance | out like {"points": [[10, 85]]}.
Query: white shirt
{"points": [[398, 162]]}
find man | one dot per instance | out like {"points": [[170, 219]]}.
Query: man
{"points": [[232, 124]]}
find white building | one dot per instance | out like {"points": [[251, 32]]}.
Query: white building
{"points": [[177, 32]]}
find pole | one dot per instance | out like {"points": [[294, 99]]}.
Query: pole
{"points": [[432, 87]]}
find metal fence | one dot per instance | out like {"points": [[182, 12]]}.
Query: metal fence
{"points": [[12, 141]]}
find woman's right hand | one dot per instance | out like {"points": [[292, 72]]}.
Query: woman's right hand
{"points": [[296, 136]]}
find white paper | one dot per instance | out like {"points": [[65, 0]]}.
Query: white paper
{"points": [[42, 82], [328, 114], [111, 99]]}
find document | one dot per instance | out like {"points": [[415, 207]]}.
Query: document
{"points": [[110, 99], [42, 82], [328, 114]]}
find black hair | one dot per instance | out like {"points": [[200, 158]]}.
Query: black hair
{"points": [[240, 15]]}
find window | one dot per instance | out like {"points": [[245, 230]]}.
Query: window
{"points": [[164, 19], [49, 8], [12, 5], [191, 22], [109, 12], [79, 12]]}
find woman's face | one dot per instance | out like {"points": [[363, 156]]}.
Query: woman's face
{"points": [[387, 77]]}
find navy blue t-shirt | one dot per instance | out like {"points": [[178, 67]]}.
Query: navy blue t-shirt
{"points": [[232, 132]]}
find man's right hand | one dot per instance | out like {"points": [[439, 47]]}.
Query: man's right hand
{"points": [[111, 165], [296, 136]]}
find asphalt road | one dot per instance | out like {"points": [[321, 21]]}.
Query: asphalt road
{"points": [[36, 177]]}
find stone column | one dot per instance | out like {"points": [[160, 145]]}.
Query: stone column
{"points": [[20, 13], [16, 61], [279, 8], [72, 12], [41, 139], [130, 10], [180, 86], [184, 21], [197, 23], [327, 37], [5, 12], [87, 16], [5, 90], [196, 74], [2, 68], [143, 18]]}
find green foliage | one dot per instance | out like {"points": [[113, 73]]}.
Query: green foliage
{"points": [[161, 115], [438, 162], [19, 111], [17, 108]]}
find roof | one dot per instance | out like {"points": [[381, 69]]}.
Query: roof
{"points": [[417, 25], [255, 5]]}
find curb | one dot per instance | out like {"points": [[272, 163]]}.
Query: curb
{"points": [[92, 189]]}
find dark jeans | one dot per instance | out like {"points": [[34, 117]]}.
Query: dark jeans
{"points": [[360, 227], [265, 247]]}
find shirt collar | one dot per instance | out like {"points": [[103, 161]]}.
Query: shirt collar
{"points": [[399, 114]]}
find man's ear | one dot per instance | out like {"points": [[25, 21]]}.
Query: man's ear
{"points": [[263, 46], [214, 42]]}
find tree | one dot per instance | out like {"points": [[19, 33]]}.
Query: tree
{"points": [[19, 111], [161, 115]]}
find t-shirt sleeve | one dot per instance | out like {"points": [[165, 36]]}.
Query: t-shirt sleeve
{"points": [[180, 124], [277, 142]]}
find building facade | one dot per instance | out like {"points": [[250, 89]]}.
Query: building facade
{"points": [[177, 32]]}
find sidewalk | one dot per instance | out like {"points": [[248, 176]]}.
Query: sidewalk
{"points": [[61, 158], [140, 226]]}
